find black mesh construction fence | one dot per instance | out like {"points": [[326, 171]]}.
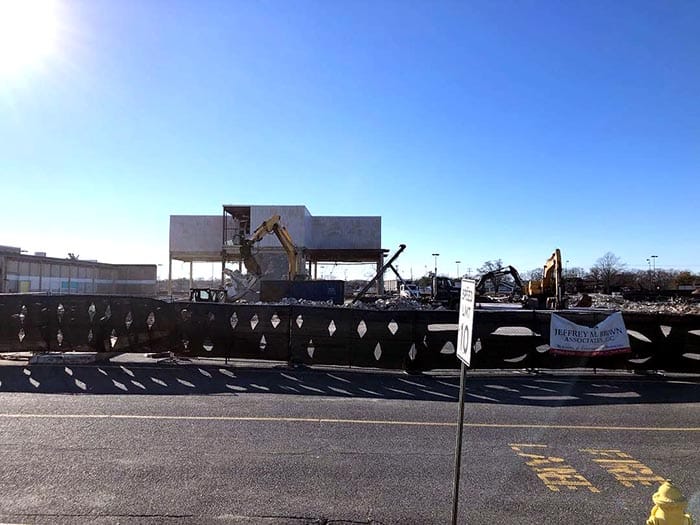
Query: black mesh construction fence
{"points": [[73, 323], [408, 339]]}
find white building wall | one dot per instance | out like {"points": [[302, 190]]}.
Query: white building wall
{"points": [[346, 233], [196, 233]]}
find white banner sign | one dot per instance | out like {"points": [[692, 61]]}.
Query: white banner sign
{"points": [[606, 338]]}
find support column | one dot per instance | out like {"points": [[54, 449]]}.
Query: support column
{"points": [[3, 274], [380, 278], [316, 271], [170, 275], [191, 281]]}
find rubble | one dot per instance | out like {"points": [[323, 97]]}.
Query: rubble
{"points": [[396, 303], [617, 302], [385, 303], [599, 302]]}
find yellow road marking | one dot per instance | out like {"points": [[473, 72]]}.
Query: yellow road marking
{"points": [[624, 468], [347, 421], [553, 471]]}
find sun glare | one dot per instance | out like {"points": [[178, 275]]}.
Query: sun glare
{"points": [[28, 33]]}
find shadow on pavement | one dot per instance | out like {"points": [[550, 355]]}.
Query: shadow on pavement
{"points": [[508, 388]]}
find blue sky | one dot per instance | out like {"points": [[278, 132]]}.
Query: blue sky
{"points": [[479, 130]]}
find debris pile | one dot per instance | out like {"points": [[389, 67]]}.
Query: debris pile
{"points": [[385, 303], [671, 306], [598, 300], [396, 303]]}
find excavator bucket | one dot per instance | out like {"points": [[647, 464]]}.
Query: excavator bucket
{"points": [[251, 265]]}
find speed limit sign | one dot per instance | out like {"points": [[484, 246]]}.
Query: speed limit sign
{"points": [[467, 301]]}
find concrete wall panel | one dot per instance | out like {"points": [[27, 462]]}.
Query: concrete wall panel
{"points": [[346, 233], [196, 234]]}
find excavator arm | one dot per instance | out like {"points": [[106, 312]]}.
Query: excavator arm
{"points": [[271, 225], [506, 270]]}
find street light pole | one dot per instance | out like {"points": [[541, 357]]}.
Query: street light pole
{"points": [[649, 263], [653, 262], [436, 255], [458, 268]]}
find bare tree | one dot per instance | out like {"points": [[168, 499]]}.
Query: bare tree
{"points": [[533, 275], [606, 271], [492, 266]]}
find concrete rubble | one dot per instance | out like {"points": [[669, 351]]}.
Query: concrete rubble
{"points": [[600, 302], [671, 306]]}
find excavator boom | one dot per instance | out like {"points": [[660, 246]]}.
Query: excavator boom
{"points": [[271, 225]]}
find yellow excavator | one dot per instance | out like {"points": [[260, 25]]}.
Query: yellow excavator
{"points": [[271, 225], [238, 285], [548, 291]]}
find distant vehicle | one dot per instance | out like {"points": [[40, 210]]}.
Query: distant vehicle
{"points": [[446, 292], [207, 295], [409, 291]]}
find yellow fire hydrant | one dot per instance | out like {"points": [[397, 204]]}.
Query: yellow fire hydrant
{"points": [[669, 507]]}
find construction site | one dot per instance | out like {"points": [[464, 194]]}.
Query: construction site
{"points": [[272, 306]]}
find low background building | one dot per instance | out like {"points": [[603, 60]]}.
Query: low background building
{"points": [[24, 273]]}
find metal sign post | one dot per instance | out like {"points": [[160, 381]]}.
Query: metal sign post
{"points": [[467, 301]]}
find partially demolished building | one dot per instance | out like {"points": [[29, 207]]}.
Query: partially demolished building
{"points": [[318, 239]]}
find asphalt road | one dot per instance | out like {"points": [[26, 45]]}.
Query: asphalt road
{"points": [[215, 444]]}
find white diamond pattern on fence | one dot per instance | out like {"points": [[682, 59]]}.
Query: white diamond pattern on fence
{"points": [[331, 328], [361, 329], [393, 327], [448, 348]]}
